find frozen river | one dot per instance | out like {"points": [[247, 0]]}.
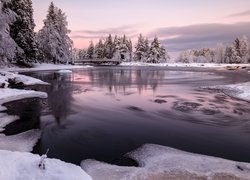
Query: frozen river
{"points": [[104, 112]]}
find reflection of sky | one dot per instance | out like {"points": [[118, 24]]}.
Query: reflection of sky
{"points": [[94, 19]]}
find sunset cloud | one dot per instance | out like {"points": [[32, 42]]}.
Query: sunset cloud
{"points": [[200, 35], [240, 14]]}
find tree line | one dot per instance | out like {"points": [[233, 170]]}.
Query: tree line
{"points": [[235, 53], [19, 43], [122, 48]]}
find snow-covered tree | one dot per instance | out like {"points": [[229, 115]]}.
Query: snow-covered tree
{"points": [[123, 49], [231, 55], [219, 53], [54, 43], [83, 54], [99, 50], [141, 49], [22, 30], [8, 47], [244, 49], [157, 53], [109, 48], [91, 50]]}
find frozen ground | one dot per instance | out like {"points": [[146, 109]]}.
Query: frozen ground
{"points": [[25, 166], [159, 162], [240, 91]]}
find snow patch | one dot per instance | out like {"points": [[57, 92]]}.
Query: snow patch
{"points": [[64, 71], [23, 142], [20, 165], [159, 162], [241, 91]]}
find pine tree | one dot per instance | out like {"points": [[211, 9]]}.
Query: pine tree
{"points": [[109, 48], [90, 50], [140, 49], [22, 30], [54, 43], [8, 47], [99, 50], [231, 55], [157, 53]]}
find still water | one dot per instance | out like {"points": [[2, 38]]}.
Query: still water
{"points": [[104, 112]]}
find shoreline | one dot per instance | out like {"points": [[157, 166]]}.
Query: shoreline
{"points": [[108, 168]]}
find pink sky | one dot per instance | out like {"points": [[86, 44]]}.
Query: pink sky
{"points": [[91, 20]]}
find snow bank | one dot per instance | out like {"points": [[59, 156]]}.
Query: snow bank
{"points": [[6, 77], [23, 142], [211, 65], [20, 166], [8, 95], [159, 162], [47, 67], [241, 91]]}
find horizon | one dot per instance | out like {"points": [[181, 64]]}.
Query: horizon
{"points": [[180, 25]]}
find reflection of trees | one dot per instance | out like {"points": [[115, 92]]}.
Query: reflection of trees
{"points": [[121, 79], [59, 92], [60, 97]]}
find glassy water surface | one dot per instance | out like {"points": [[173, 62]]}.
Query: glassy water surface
{"points": [[105, 112]]}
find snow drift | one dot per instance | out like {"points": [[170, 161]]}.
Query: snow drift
{"points": [[159, 162], [20, 166]]}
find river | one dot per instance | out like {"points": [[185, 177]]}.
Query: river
{"points": [[104, 112]]}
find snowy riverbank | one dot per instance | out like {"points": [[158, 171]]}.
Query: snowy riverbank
{"points": [[155, 162], [208, 65], [25, 166], [159, 162], [45, 67]]}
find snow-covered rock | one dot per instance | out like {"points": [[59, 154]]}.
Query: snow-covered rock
{"points": [[159, 162], [25, 166], [7, 77], [6, 119], [64, 71], [8, 95], [240, 91], [23, 142]]}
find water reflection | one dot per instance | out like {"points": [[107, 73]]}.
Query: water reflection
{"points": [[122, 79], [148, 105], [60, 97]]}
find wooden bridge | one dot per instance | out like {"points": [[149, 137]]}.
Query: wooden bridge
{"points": [[98, 61]]}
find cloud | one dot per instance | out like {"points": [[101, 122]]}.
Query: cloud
{"points": [[129, 31], [240, 14], [200, 35]]}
